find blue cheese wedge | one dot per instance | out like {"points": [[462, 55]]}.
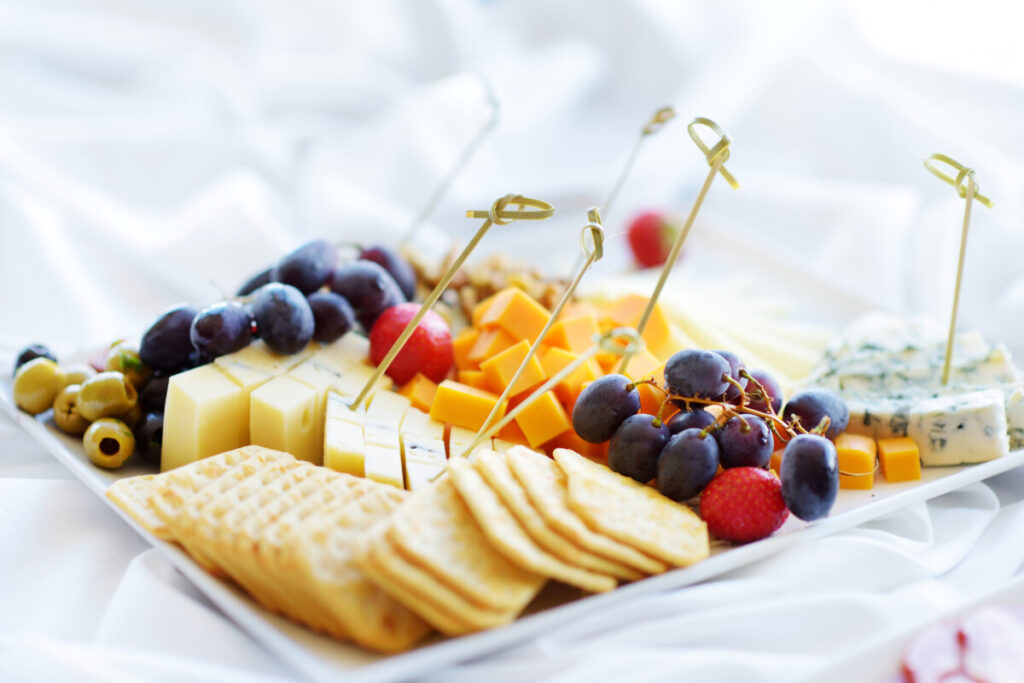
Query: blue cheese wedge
{"points": [[889, 371], [949, 430]]}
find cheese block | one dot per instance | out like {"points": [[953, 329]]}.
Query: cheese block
{"points": [[888, 367], [207, 408], [283, 416], [353, 381], [344, 445], [949, 430], [205, 413], [383, 421], [423, 449]]}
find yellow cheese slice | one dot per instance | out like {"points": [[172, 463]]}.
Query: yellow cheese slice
{"points": [[205, 413]]}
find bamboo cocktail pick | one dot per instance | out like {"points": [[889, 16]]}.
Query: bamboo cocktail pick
{"points": [[619, 340], [658, 120], [716, 155], [592, 246], [494, 109], [498, 214], [965, 186]]}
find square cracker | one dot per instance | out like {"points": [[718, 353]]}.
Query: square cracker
{"points": [[435, 529], [322, 554], [422, 592], [505, 532], [132, 495], [633, 513], [495, 470], [546, 486]]}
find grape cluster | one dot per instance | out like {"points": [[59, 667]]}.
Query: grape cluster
{"points": [[729, 418]]}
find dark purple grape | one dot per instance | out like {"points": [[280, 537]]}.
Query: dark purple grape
{"points": [[368, 288], [813, 405], [603, 406], [636, 445], [771, 385], [31, 352], [332, 316], [222, 328], [397, 266], [696, 374], [698, 419], [810, 476], [744, 442], [284, 318], [732, 394], [196, 359], [687, 464], [256, 281], [149, 437], [167, 344], [309, 267], [154, 394]]}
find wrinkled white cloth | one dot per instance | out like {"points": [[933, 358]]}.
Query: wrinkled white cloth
{"points": [[158, 152]]}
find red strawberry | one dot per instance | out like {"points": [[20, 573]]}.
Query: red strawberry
{"points": [[428, 349], [743, 504], [651, 238]]}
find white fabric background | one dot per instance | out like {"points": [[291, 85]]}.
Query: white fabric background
{"points": [[152, 152]]}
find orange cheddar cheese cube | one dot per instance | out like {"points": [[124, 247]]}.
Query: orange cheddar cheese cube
{"points": [[543, 419], [462, 346], [643, 365], [857, 455], [511, 432], [462, 405], [597, 452], [499, 370], [573, 334], [473, 378], [651, 398], [900, 459], [776, 462], [420, 390], [477, 314], [554, 360], [489, 343], [517, 313], [575, 309], [626, 312]]}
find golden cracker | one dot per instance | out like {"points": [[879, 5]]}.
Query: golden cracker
{"points": [[505, 532], [435, 529], [546, 486], [633, 513], [495, 470], [384, 567], [132, 495], [323, 554]]}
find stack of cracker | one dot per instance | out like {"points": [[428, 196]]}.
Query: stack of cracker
{"points": [[370, 563], [284, 530], [473, 550]]}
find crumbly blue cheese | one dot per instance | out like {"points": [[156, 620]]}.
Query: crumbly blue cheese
{"points": [[949, 430], [889, 371]]}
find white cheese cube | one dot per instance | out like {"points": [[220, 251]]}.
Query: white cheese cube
{"points": [[345, 353], [344, 448], [418, 422], [205, 413], [283, 415], [384, 464]]}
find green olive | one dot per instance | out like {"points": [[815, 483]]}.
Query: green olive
{"points": [[124, 358], [65, 411], [108, 443], [108, 394], [36, 384], [132, 417], [77, 373]]}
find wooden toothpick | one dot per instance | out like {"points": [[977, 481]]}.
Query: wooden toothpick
{"points": [[498, 214], [716, 156], [592, 246], [658, 120], [965, 186], [494, 110]]}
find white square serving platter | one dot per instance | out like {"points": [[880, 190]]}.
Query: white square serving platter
{"points": [[322, 659]]}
